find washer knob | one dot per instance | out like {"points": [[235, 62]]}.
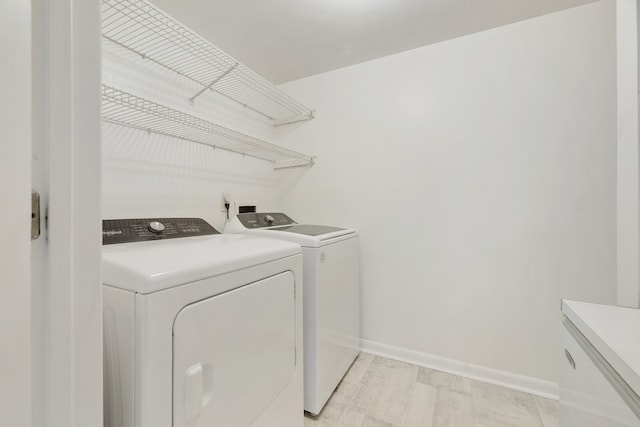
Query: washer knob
{"points": [[269, 219], [156, 227]]}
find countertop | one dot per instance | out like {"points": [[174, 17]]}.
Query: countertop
{"points": [[614, 332]]}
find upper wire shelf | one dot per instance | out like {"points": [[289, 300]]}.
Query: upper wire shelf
{"points": [[149, 32], [133, 111]]}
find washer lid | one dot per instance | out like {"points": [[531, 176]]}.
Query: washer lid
{"points": [[305, 239], [147, 267], [279, 226], [312, 230]]}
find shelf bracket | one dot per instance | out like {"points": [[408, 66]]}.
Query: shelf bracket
{"points": [[192, 100], [304, 118], [310, 162]]}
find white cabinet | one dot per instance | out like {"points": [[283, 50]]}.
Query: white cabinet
{"points": [[592, 394]]}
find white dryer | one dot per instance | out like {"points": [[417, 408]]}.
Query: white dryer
{"points": [[200, 328], [331, 297]]}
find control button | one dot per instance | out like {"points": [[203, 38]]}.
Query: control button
{"points": [[156, 227], [269, 219]]}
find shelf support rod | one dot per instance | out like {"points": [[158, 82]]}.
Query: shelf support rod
{"points": [[310, 162], [306, 165], [306, 118], [192, 100]]}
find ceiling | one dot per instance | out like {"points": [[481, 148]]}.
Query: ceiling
{"points": [[285, 40]]}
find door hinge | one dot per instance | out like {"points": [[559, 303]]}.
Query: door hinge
{"points": [[35, 215]]}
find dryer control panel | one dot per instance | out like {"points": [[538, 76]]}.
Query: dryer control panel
{"points": [[264, 219], [145, 229]]}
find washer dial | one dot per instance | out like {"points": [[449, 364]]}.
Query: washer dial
{"points": [[156, 227]]}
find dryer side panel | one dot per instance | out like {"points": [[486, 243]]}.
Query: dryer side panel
{"points": [[234, 354], [119, 356]]}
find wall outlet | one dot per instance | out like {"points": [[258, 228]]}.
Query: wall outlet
{"points": [[246, 206]]}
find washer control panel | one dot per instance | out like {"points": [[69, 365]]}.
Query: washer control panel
{"points": [[144, 229], [253, 220]]}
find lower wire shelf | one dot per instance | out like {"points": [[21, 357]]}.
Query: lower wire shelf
{"points": [[129, 110]]}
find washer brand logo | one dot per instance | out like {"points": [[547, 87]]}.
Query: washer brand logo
{"points": [[111, 233]]}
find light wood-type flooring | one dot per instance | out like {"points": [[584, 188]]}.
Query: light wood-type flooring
{"points": [[380, 392]]}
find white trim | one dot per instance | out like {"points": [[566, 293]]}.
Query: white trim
{"points": [[628, 169], [74, 306], [506, 379]]}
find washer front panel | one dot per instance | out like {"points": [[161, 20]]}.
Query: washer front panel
{"points": [[332, 327]]}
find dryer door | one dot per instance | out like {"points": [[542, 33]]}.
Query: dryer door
{"points": [[233, 354]]}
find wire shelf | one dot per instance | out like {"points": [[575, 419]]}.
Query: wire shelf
{"points": [[132, 111], [149, 32]]}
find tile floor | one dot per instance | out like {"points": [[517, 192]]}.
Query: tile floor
{"points": [[379, 392]]}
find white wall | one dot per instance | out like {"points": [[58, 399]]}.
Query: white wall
{"points": [[15, 149], [481, 173], [628, 184]]}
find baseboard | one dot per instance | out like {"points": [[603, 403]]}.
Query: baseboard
{"points": [[510, 380]]}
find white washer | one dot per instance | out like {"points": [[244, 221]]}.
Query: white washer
{"points": [[201, 329], [331, 297]]}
